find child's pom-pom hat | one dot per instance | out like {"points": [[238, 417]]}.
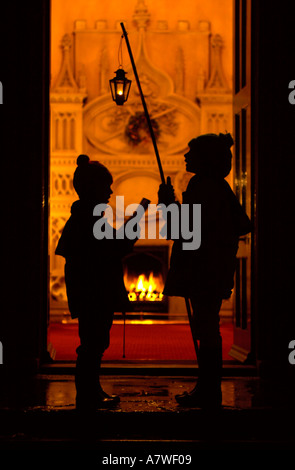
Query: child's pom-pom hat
{"points": [[88, 175], [83, 160]]}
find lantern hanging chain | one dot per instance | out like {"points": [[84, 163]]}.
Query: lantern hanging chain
{"points": [[120, 52]]}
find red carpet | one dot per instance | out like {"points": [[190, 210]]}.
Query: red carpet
{"points": [[160, 342]]}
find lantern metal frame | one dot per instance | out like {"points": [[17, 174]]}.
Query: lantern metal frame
{"points": [[120, 87]]}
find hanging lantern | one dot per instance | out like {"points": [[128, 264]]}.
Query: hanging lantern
{"points": [[120, 87]]}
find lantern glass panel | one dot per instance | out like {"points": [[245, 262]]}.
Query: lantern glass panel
{"points": [[113, 89], [127, 88]]}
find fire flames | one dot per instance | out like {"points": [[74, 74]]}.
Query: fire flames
{"points": [[143, 288]]}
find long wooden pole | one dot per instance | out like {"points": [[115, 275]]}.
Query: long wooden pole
{"points": [[190, 318], [158, 161], [144, 104]]}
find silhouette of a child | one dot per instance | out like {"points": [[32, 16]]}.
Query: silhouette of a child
{"points": [[205, 276], [94, 279]]}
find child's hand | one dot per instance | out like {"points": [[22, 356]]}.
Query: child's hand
{"points": [[166, 193]]}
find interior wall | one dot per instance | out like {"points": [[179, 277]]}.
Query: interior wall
{"points": [[184, 58], [65, 12]]}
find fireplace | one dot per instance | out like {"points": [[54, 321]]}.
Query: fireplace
{"points": [[145, 271]]}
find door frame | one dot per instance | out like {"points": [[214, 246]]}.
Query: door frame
{"points": [[243, 335]]}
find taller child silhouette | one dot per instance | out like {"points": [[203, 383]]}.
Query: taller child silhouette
{"points": [[205, 275], [94, 280]]}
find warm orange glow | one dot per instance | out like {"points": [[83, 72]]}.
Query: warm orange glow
{"points": [[120, 88], [143, 288], [84, 56]]}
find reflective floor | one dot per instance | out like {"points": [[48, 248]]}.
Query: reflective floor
{"points": [[41, 410], [147, 389], [142, 393], [136, 393]]}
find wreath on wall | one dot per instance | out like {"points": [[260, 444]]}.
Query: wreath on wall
{"points": [[137, 130]]}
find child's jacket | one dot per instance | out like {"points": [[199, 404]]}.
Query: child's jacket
{"points": [[210, 269], [93, 269]]}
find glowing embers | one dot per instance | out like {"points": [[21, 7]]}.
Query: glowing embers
{"points": [[144, 288]]}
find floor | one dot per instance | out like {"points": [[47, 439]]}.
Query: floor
{"points": [[39, 413], [143, 341]]}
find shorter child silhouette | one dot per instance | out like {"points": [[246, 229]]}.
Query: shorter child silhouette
{"points": [[205, 276], [94, 280]]}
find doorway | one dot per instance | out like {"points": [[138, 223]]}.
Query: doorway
{"points": [[200, 91]]}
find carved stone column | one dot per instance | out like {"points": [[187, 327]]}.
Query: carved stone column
{"points": [[66, 103]]}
